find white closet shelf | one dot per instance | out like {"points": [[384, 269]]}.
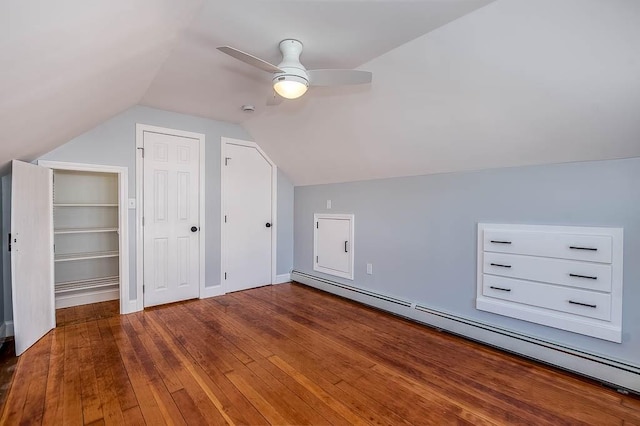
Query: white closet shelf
{"points": [[85, 205], [85, 256], [83, 230], [91, 284]]}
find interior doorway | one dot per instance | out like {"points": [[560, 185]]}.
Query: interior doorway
{"points": [[171, 215], [248, 216]]}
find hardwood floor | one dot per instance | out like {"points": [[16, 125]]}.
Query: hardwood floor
{"points": [[8, 363], [288, 354], [84, 313]]}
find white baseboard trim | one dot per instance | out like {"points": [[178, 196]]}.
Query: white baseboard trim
{"points": [[612, 372], [85, 299], [283, 278], [6, 329], [206, 292]]}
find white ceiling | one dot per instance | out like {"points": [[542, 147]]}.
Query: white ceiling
{"points": [[518, 82], [68, 65], [197, 79], [457, 86]]}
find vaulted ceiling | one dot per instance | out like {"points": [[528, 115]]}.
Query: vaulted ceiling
{"points": [[458, 84]]}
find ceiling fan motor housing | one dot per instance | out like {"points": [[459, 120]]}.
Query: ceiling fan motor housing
{"points": [[292, 68]]}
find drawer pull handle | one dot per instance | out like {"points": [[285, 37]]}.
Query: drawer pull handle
{"points": [[500, 265], [500, 288], [583, 276], [583, 248], [500, 242], [582, 304]]}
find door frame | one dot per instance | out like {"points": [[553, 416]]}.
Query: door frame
{"points": [[140, 130], [274, 208], [335, 216], [123, 217]]}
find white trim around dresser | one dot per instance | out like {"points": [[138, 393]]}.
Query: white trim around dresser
{"points": [[555, 239]]}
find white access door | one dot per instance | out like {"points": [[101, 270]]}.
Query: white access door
{"points": [[171, 218], [333, 244], [247, 191], [31, 253]]}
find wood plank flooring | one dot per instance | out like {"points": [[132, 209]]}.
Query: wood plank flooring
{"points": [[83, 313], [8, 363], [287, 354]]}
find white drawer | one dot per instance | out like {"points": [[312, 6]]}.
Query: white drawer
{"points": [[587, 275], [593, 248], [563, 299]]}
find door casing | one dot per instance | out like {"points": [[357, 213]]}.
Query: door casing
{"points": [[123, 219], [140, 130], [349, 243]]}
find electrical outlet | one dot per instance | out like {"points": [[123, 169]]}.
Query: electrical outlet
{"points": [[369, 269]]}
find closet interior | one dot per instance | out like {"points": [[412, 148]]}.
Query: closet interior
{"points": [[86, 237]]}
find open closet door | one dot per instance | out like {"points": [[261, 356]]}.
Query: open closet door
{"points": [[31, 253]]}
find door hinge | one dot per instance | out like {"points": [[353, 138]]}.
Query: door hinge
{"points": [[225, 275], [9, 242], [142, 150], [225, 218], [317, 225], [316, 259], [226, 160], [54, 248], [143, 288]]}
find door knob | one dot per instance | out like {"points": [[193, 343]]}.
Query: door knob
{"points": [[268, 225], [194, 229]]}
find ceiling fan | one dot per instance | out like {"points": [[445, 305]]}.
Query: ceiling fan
{"points": [[290, 78]]}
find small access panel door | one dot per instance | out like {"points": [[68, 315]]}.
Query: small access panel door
{"points": [[333, 244]]}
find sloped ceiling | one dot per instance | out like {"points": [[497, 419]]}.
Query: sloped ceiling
{"points": [[458, 84], [197, 79], [67, 65], [517, 82]]}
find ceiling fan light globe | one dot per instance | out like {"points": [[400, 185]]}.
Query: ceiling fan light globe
{"points": [[290, 86]]}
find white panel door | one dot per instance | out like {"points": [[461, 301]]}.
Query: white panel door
{"points": [[171, 218], [333, 244], [248, 227], [31, 253]]}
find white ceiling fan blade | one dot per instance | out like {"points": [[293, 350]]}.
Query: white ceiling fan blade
{"points": [[249, 59], [274, 99], [338, 77]]}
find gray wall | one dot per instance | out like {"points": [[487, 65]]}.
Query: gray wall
{"points": [[285, 224], [113, 143], [3, 240], [420, 233]]}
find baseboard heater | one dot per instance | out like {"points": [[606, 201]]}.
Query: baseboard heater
{"points": [[623, 376]]}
